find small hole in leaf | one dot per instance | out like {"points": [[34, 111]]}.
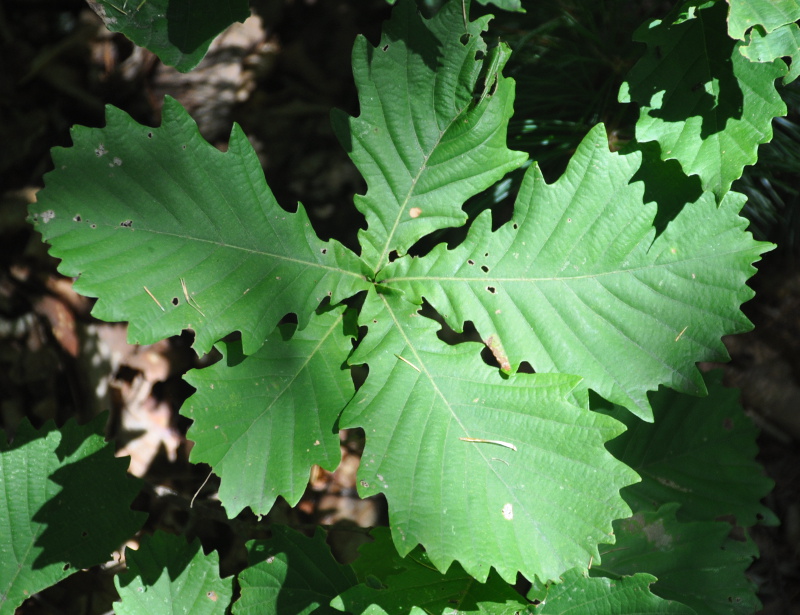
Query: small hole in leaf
{"points": [[488, 357], [393, 256], [175, 301], [93, 226], [465, 38], [183, 147], [486, 254], [491, 289], [126, 223], [525, 368], [484, 268], [480, 54], [385, 47], [471, 262], [77, 219], [515, 226], [149, 135], [324, 250], [65, 567]]}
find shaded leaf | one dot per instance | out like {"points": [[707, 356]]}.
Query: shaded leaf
{"points": [[578, 593], [455, 445], [64, 505], [706, 105], [699, 452], [695, 563], [394, 584], [177, 31], [507, 5], [148, 217], [168, 575], [290, 573], [576, 282], [422, 142], [262, 421], [780, 43], [771, 14]]}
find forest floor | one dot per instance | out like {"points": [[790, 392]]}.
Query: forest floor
{"points": [[278, 75]]}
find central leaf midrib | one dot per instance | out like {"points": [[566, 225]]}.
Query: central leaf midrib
{"points": [[588, 276], [409, 194], [280, 257], [279, 394], [424, 369]]}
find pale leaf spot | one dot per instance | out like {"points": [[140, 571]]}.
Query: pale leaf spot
{"points": [[508, 512], [414, 212]]}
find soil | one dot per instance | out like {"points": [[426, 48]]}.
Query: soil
{"points": [[278, 75]]}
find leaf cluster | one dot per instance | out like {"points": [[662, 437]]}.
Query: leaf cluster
{"points": [[561, 447]]}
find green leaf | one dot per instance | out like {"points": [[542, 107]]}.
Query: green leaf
{"points": [[64, 505], [148, 217], [394, 584], [578, 593], [532, 489], [168, 575], [422, 142], [770, 14], [576, 283], [706, 104], [177, 31], [263, 420], [290, 573], [699, 453], [696, 563], [783, 42], [506, 5]]}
